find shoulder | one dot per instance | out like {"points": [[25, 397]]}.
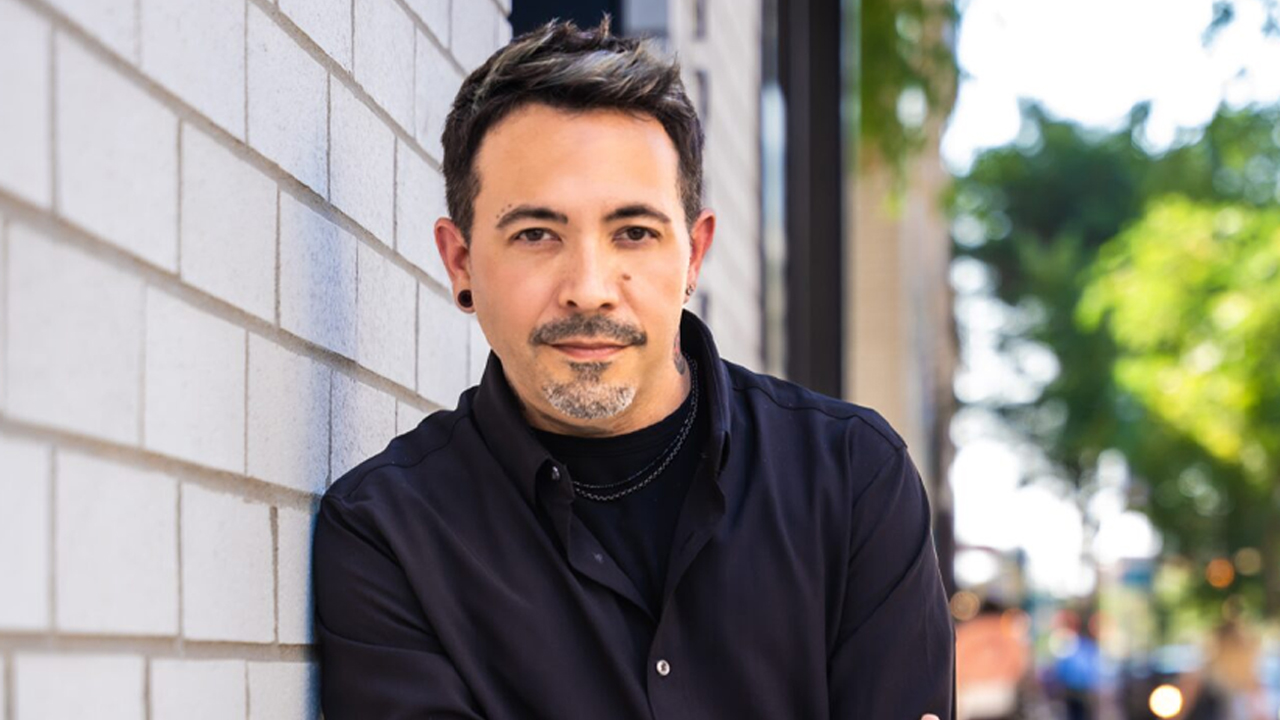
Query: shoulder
{"points": [[388, 474], [782, 404]]}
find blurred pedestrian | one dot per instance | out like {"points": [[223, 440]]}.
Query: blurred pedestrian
{"points": [[1227, 687]]}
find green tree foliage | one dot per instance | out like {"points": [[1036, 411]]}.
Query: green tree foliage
{"points": [[1191, 295], [1041, 214], [903, 60]]}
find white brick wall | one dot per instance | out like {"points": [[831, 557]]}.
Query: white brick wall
{"points": [[283, 691], [226, 568], [362, 167], [288, 103], [288, 438], [103, 687], [219, 290], [74, 355], [24, 523], [195, 384], [293, 591], [196, 49], [384, 56], [197, 689], [385, 312], [215, 244], [231, 255], [116, 174], [25, 39], [117, 561], [364, 419]]}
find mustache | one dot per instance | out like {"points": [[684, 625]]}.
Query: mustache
{"points": [[588, 326]]}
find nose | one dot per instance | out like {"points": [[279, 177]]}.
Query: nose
{"points": [[588, 281]]}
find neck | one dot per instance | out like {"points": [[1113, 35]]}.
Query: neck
{"points": [[648, 408]]}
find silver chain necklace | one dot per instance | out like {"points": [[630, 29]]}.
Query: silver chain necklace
{"points": [[589, 491]]}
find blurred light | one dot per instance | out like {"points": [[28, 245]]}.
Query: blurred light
{"points": [[1219, 572], [976, 567], [964, 605], [1165, 701], [913, 108], [1248, 561]]}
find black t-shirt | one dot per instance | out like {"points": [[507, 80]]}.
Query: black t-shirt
{"points": [[636, 529]]}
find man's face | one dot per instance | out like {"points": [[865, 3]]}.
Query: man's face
{"points": [[578, 262]]}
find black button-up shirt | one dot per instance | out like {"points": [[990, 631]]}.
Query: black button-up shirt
{"points": [[453, 579]]}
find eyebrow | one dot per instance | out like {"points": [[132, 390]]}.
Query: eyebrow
{"points": [[538, 212]]}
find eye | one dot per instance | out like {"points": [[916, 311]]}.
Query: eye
{"points": [[533, 235], [637, 234]]}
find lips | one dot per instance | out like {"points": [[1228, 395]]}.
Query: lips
{"points": [[588, 351]]}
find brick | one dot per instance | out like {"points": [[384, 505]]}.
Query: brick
{"points": [[288, 442], [442, 349], [117, 158], [437, 84], [74, 355], [385, 317], [419, 203], [362, 167], [327, 22], [364, 421], [197, 689], [479, 354], [195, 382], [384, 57], [228, 591], [25, 38], [196, 49], [317, 278], [113, 22], [228, 226], [24, 523], [294, 529], [288, 103], [504, 26], [474, 28], [435, 13], [103, 687], [283, 691], [117, 548], [407, 417]]}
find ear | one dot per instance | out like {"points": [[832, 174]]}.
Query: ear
{"points": [[455, 255], [700, 238]]}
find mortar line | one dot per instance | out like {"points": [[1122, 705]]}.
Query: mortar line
{"points": [[53, 121], [275, 570], [276, 289], [51, 537]]}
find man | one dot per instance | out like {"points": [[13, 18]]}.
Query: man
{"points": [[616, 523]]}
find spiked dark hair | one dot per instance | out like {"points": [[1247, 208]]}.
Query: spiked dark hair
{"points": [[569, 68]]}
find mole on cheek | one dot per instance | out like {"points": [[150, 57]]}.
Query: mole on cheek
{"points": [[625, 276]]}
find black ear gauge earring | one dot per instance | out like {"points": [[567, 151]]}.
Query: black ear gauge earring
{"points": [[688, 291], [464, 299]]}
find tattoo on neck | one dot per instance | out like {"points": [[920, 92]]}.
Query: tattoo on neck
{"points": [[678, 357]]}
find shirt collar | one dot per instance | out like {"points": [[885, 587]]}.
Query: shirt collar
{"points": [[511, 440]]}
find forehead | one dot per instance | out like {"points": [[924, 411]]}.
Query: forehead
{"points": [[546, 155]]}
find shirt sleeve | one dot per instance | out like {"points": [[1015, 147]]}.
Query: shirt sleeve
{"points": [[379, 657], [894, 656]]}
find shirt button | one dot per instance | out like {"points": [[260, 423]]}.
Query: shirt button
{"points": [[555, 473], [664, 668]]}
